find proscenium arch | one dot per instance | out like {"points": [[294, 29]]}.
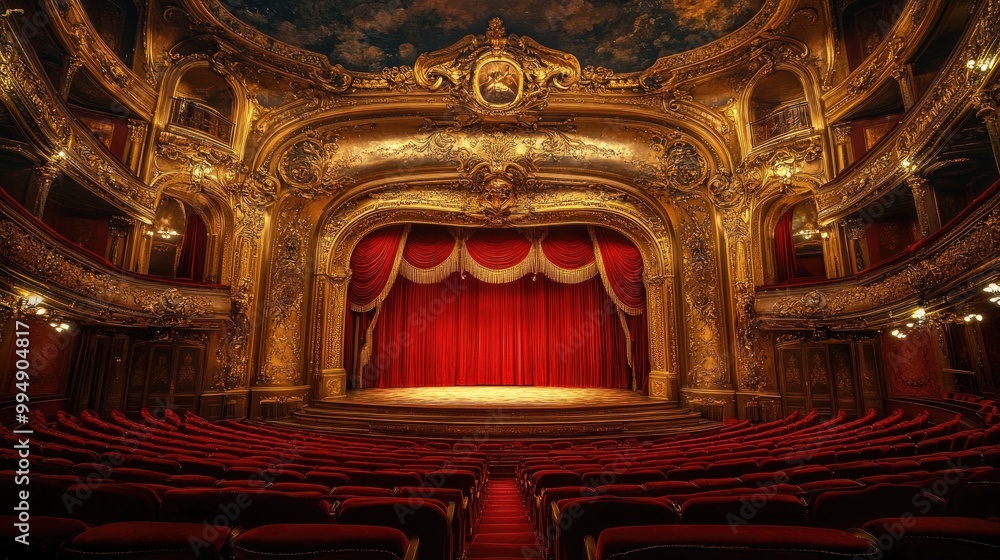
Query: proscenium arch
{"points": [[330, 285]]}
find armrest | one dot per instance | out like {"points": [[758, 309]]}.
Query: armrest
{"points": [[556, 514], [590, 547], [411, 549], [451, 513]]}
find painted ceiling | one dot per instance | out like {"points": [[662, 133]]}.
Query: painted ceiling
{"points": [[624, 35]]}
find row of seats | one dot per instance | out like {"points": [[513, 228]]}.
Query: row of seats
{"points": [[181, 471], [892, 538], [986, 408], [836, 475], [53, 537]]}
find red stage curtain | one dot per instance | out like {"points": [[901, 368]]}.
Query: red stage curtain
{"points": [[784, 248], [191, 264], [526, 315], [373, 267], [622, 269], [470, 332]]}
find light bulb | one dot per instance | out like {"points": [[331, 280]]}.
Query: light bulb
{"points": [[970, 64], [41, 311]]}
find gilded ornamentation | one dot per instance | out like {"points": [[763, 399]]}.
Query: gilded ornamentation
{"points": [[499, 74]]}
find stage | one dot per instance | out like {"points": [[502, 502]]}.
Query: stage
{"points": [[499, 412]]}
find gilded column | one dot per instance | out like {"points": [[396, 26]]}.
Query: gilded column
{"points": [[842, 142], [923, 200], [854, 230], [662, 381], [333, 376], [136, 133], [44, 177], [118, 229], [907, 90], [987, 104], [72, 65]]}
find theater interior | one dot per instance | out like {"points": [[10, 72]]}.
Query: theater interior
{"points": [[520, 279]]}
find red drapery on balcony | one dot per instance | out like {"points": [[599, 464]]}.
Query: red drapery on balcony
{"points": [[557, 307], [784, 248]]}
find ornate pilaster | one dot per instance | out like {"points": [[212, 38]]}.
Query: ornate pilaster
{"points": [[842, 143], [72, 65], [118, 229], [136, 135], [662, 381], [923, 200], [904, 77], [44, 176], [854, 230], [333, 376]]}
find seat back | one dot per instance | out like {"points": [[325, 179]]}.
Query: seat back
{"points": [[722, 542], [330, 542], [752, 509], [844, 509], [111, 503], [243, 507], [580, 517], [416, 518]]}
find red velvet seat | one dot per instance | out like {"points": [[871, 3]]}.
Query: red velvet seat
{"points": [[975, 499], [936, 538], [687, 473], [426, 520], [151, 540], [385, 479], [580, 517], [191, 481], [752, 509], [670, 487], [46, 535], [721, 542], [111, 503], [461, 523], [327, 478], [245, 508], [129, 474], [326, 542], [344, 492], [844, 509]]}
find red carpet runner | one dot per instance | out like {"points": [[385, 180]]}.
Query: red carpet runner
{"points": [[505, 531]]}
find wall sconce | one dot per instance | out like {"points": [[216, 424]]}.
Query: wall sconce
{"points": [[994, 290], [980, 65], [59, 325]]}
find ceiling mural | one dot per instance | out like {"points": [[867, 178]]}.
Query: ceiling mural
{"points": [[624, 36]]}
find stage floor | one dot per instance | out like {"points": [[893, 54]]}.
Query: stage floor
{"points": [[502, 412], [495, 397]]}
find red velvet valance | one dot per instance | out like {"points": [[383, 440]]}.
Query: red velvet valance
{"points": [[429, 254]]}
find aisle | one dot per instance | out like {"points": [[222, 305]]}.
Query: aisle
{"points": [[505, 531]]}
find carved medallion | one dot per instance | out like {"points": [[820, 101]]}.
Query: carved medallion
{"points": [[498, 82]]}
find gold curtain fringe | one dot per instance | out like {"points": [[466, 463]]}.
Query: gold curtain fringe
{"points": [[392, 277], [498, 276], [604, 277], [366, 350], [628, 341], [435, 274], [565, 275]]}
